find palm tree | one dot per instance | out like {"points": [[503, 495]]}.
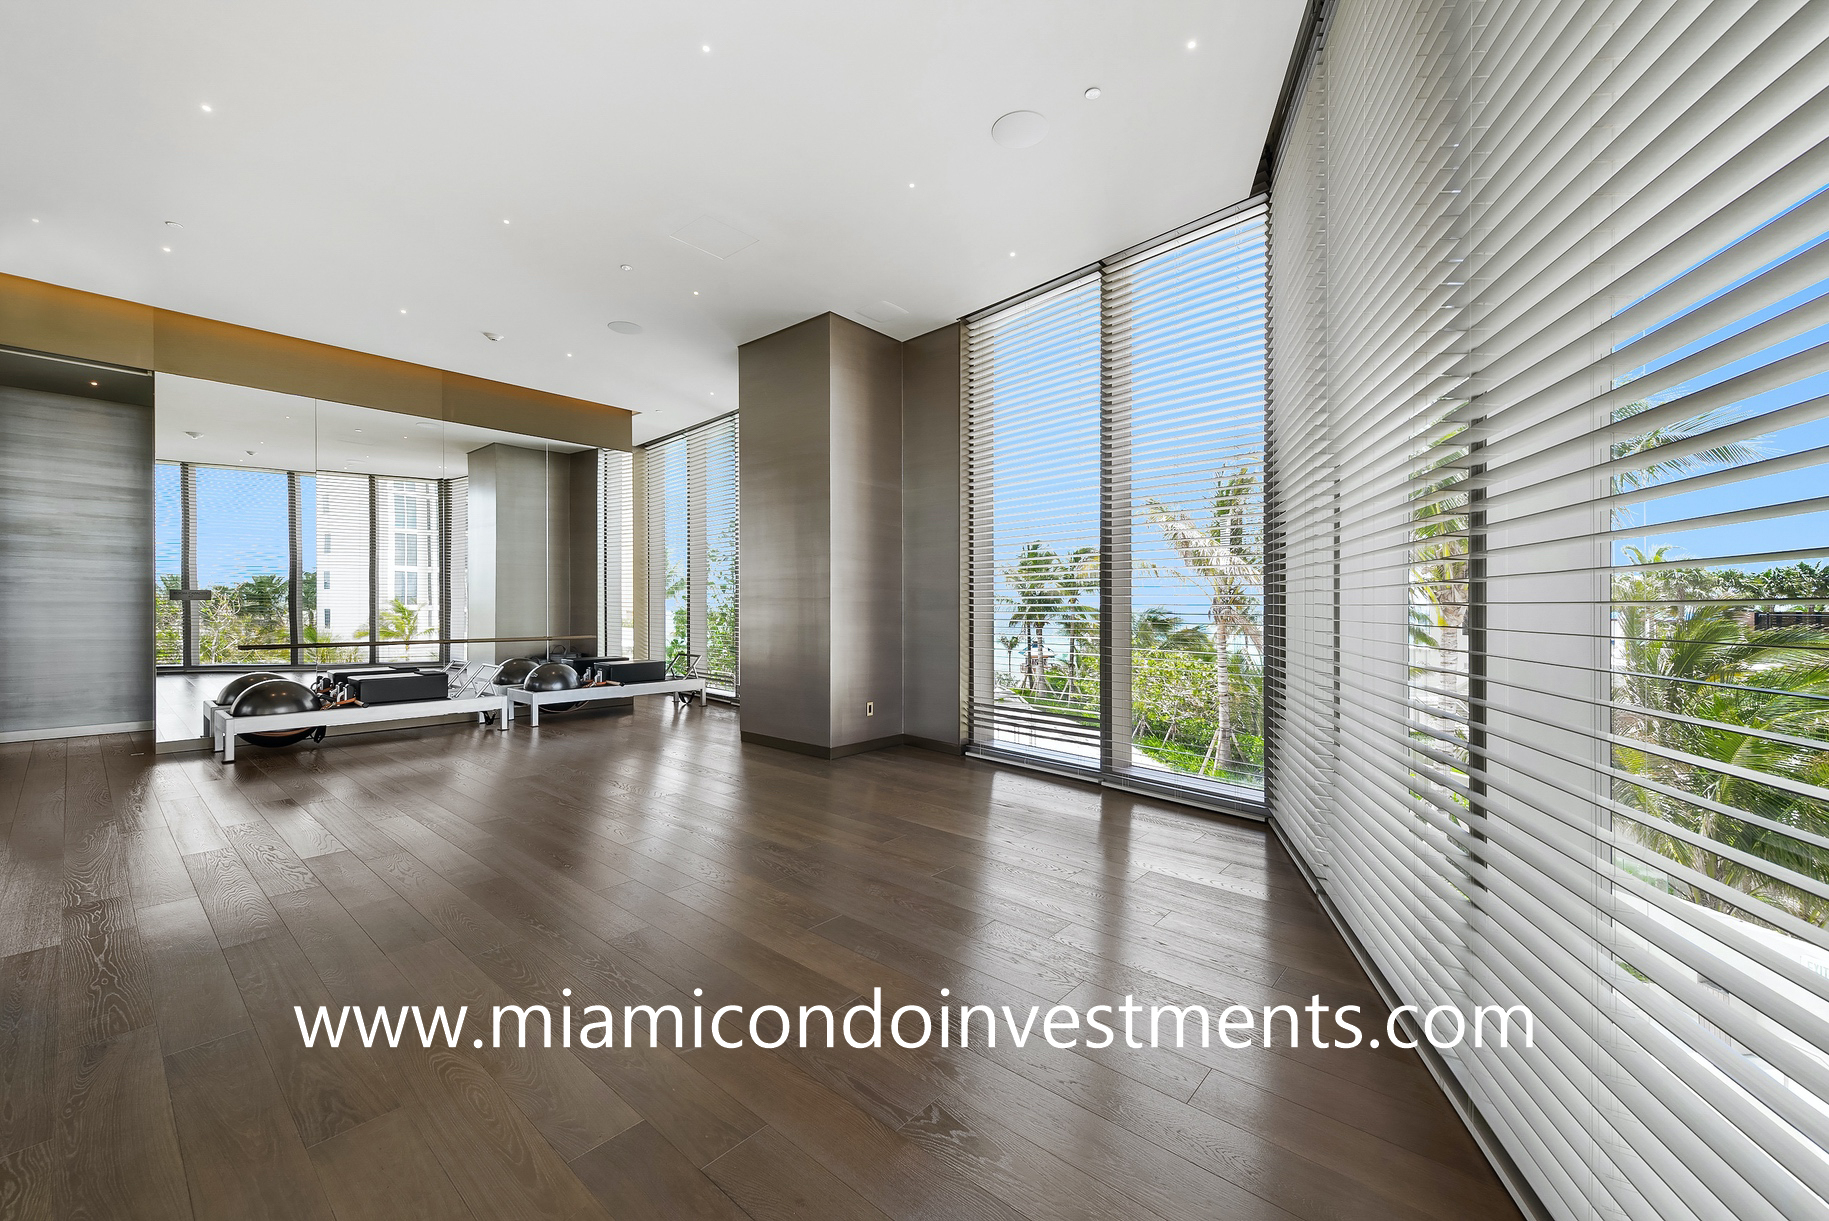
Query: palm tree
{"points": [[1009, 643], [1076, 575], [1035, 578], [399, 621], [1696, 679], [1219, 549]]}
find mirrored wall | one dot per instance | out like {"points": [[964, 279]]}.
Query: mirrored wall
{"points": [[294, 533]]}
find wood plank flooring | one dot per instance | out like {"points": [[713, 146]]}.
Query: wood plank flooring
{"points": [[160, 916]]}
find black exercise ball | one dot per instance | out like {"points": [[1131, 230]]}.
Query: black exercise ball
{"points": [[553, 676], [276, 697], [236, 686], [514, 671]]}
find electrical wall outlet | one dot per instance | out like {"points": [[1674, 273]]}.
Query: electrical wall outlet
{"points": [[870, 708]]}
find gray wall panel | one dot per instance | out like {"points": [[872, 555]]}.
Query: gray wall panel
{"points": [[583, 557], [785, 540], [930, 534], [520, 552], [76, 562], [866, 490]]}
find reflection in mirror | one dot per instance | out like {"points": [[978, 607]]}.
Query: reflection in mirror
{"points": [[295, 533]]}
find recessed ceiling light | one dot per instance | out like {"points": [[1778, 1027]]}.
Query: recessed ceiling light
{"points": [[911, 186], [206, 108], [1020, 129], [403, 311], [695, 292], [166, 249], [492, 337], [1092, 94], [192, 435], [506, 221], [34, 220], [1191, 44], [174, 224], [706, 48], [1012, 254], [626, 267], [626, 328], [358, 430], [568, 356], [95, 383]]}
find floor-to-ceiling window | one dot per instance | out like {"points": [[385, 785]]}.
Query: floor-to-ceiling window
{"points": [[1115, 510], [1550, 356], [689, 531], [409, 554], [1033, 497], [168, 570], [350, 567]]}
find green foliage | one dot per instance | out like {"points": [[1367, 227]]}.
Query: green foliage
{"points": [[1696, 685]]}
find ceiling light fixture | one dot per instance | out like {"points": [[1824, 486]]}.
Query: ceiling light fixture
{"points": [[34, 220], [506, 221], [173, 224], [1012, 254], [1191, 44], [166, 249], [206, 108], [1092, 94], [626, 267], [706, 48], [626, 328], [492, 337], [695, 292], [192, 435], [911, 186], [403, 311], [95, 383]]}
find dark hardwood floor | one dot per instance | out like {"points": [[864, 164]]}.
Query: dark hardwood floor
{"points": [[160, 916]]}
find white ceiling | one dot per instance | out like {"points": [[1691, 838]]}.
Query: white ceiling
{"points": [[359, 159], [223, 425]]}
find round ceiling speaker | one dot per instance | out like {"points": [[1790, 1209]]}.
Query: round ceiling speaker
{"points": [[1020, 129], [626, 328]]}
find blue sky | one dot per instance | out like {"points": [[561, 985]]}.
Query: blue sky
{"points": [[1788, 532], [242, 523]]}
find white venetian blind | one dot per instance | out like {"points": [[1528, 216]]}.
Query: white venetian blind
{"points": [[1184, 387], [1032, 465], [615, 552], [1550, 626], [689, 520]]}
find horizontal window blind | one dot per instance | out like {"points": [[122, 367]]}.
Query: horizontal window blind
{"points": [[720, 501], [689, 526], [615, 553], [1032, 460], [1549, 633], [1184, 388]]}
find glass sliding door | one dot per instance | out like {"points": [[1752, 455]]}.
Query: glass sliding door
{"points": [[1115, 518]]}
